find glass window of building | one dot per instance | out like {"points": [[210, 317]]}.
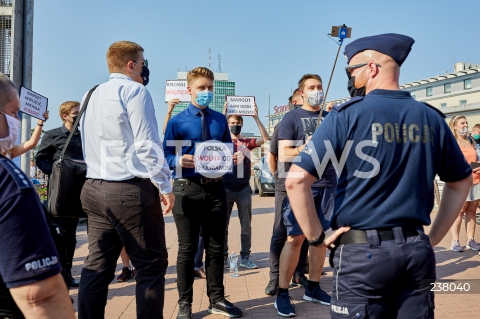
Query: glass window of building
{"points": [[412, 93], [443, 105], [429, 91], [447, 88], [463, 102], [467, 84]]}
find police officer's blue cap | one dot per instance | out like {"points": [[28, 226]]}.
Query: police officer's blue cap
{"points": [[396, 46]]}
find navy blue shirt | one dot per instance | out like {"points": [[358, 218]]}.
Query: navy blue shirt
{"points": [[27, 252], [397, 146], [298, 125], [186, 127]]}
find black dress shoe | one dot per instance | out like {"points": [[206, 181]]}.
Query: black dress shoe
{"points": [[74, 283], [225, 308], [184, 311]]}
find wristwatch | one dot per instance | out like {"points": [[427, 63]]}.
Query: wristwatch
{"points": [[317, 241]]}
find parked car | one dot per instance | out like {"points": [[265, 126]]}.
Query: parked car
{"points": [[263, 180]]}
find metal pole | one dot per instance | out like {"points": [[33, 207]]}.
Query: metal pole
{"points": [[27, 77], [328, 86], [269, 114]]}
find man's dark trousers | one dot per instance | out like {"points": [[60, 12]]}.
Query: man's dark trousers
{"points": [[279, 236], [198, 205], [123, 214]]}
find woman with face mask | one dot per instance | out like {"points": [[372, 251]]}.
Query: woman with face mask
{"points": [[459, 126], [22, 148]]}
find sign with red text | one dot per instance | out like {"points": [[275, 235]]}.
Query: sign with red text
{"points": [[213, 158], [240, 105], [281, 109], [177, 89], [32, 103]]}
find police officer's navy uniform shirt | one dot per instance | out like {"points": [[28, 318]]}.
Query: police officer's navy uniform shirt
{"points": [[187, 126], [298, 125], [398, 145], [27, 252]]}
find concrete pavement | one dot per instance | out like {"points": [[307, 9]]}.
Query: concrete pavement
{"points": [[247, 291]]}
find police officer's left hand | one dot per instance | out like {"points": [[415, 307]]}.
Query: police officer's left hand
{"points": [[333, 237]]}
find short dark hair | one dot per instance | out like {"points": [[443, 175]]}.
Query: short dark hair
{"points": [[301, 82]]}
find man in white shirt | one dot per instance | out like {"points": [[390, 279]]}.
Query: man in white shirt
{"points": [[124, 158]]}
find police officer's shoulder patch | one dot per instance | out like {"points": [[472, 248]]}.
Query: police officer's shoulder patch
{"points": [[18, 176], [344, 105], [433, 107]]}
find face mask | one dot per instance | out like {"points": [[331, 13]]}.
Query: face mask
{"points": [[73, 119], [476, 136], [315, 98], [8, 142], [204, 98], [464, 130], [353, 90], [235, 129], [144, 74]]}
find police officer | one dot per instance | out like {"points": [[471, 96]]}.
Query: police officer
{"points": [[29, 266], [387, 148]]}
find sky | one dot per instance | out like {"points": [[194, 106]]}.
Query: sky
{"points": [[265, 46]]}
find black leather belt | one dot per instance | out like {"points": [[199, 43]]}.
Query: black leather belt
{"points": [[202, 180], [355, 236]]}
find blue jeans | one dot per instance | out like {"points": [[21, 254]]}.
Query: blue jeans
{"points": [[198, 261], [243, 199]]}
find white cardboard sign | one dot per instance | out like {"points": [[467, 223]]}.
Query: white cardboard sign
{"points": [[177, 89], [213, 158], [32, 103], [240, 105]]}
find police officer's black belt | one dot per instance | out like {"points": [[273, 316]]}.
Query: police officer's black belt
{"points": [[202, 180], [355, 236]]}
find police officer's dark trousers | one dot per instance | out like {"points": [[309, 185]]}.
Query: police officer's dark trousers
{"points": [[196, 205], [383, 278], [123, 214], [279, 236]]}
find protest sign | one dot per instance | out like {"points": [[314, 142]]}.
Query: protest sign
{"points": [[240, 105], [213, 158], [177, 89], [32, 103]]}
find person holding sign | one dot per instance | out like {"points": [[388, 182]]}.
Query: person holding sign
{"points": [[26, 146], [199, 200], [237, 184]]}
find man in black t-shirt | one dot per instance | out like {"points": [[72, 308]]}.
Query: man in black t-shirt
{"points": [[295, 130], [279, 233]]}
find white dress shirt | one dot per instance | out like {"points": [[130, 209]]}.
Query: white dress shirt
{"points": [[119, 131]]}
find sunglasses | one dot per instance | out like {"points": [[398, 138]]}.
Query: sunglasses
{"points": [[349, 68], [144, 62]]}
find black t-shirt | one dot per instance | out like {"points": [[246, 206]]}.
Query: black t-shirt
{"points": [[279, 182], [27, 252], [297, 125]]}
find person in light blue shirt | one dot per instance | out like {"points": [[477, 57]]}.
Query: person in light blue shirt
{"points": [[124, 157], [199, 200]]}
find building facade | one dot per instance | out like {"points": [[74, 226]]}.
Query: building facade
{"points": [[456, 93], [222, 88]]}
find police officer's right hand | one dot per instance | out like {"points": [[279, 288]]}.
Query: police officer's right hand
{"points": [[168, 200], [333, 237], [187, 161]]}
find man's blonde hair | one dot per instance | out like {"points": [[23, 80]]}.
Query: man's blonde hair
{"points": [[65, 108], [199, 72], [120, 52]]}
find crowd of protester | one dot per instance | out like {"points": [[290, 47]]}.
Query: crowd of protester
{"points": [[131, 173]]}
